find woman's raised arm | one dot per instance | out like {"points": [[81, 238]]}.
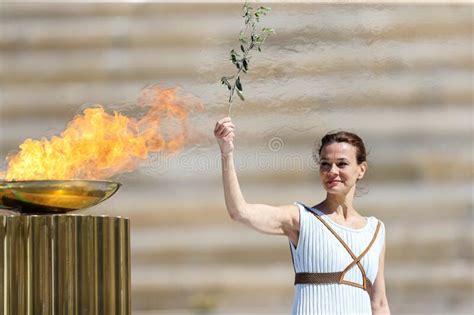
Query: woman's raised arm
{"points": [[282, 220]]}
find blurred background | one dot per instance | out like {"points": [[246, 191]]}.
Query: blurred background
{"points": [[400, 76]]}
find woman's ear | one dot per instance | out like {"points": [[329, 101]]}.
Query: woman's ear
{"points": [[363, 168]]}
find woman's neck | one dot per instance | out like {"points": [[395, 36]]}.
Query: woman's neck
{"points": [[339, 206]]}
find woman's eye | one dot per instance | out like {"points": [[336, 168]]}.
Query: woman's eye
{"points": [[325, 163], [340, 165]]}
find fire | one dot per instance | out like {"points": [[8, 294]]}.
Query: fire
{"points": [[98, 145]]}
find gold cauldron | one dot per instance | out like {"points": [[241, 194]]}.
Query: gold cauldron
{"points": [[54, 196]]}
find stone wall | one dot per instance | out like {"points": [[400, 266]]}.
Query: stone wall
{"points": [[398, 75]]}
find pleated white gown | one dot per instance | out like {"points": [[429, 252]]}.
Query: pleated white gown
{"points": [[320, 251]]}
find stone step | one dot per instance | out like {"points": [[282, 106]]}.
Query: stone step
{"points": [[168, 28], [324, 93], [425, 301], [426, 159], [190, 197], [434, 240], [183, 215], [401, 125], [296, 169], [163, 63], [41, 10], [186, 201], [223, 286], [280, 275]]}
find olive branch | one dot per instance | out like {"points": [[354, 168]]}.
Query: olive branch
{"points": [[250, 39]]}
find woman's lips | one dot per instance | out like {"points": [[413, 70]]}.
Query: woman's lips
{"points": [[334, 182]]}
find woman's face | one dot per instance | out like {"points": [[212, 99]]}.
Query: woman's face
{"points": [[338, 168]]}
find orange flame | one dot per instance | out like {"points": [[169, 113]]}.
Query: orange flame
{"points": [[98, 145]]}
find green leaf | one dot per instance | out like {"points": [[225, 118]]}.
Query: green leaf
{"points": [[245, 10], [238, 85], [262, 11], [234, 56], [239, 93], [245, 64], [268, 30], [242, 48], [242, 38], [224, 80]]}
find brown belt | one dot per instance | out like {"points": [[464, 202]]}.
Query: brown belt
{"points": [[328, 277], [338, 277]]}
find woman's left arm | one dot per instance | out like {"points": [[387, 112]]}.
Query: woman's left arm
{"points": [[378, 298]]}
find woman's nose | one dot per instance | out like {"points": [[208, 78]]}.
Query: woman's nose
{"points": [[333, 168]]}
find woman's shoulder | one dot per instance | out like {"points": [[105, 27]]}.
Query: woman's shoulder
{"points": [[303, 208], [302, 205], [376, 220]]}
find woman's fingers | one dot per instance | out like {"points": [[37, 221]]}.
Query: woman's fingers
{"points": [[220, 129], [229, 136], [222, 121], [223, 127], [225, 119], [225, 131], [226, 123]]}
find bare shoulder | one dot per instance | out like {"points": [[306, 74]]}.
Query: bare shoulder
{"points": [[292, 217], [291, 209], [291, 226], [279, 220]]}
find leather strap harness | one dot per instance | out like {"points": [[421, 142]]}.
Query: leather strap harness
{"points": [[338, 277]]}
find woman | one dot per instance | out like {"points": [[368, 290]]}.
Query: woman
{"points": [[338, 255]]}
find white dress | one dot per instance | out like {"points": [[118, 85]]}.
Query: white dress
{"points": [[318, 250]]}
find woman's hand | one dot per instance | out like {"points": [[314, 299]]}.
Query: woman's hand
{"points": [[224, 133]]}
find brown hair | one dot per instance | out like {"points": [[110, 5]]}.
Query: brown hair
{"points": [[348, 137]]}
